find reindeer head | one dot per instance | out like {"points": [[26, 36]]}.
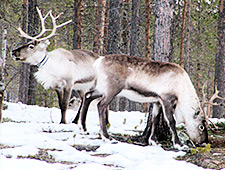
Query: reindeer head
{"points": [[196, 127], [201, 118], [32, 52], [35, 51]]}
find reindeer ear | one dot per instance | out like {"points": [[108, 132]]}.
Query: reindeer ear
{"points": [[44, 44]]}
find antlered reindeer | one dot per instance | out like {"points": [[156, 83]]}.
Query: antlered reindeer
{"points": [[59, 69], [165, 85]]}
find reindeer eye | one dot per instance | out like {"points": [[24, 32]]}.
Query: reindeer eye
{"points": [[197, 112], [201, 127], [31, 46]]}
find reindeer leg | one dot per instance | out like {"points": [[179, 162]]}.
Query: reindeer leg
{"points": [[155, 120], [143, 139], [167, 108], [60, 94], [102, 109], [89, 97], [107, 116], [81, 96], [65, 102]]}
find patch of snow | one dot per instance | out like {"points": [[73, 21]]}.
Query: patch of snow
{"points": [[35, 128]]}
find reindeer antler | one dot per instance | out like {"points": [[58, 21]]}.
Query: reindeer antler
{"points": [[55, 26], [210, 104]]}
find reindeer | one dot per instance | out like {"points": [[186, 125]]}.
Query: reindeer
{"points": [[166, 85], [60, 69]]}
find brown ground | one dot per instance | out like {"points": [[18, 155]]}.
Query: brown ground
{"points": [[213, 157]]}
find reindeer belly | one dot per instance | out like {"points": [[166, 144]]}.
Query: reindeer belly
{"points": [[84, 86], [138, 96]]}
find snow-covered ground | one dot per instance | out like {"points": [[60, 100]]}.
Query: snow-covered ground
{"points": [[37, 129]]}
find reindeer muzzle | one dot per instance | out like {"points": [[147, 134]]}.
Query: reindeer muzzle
{"points": [[15, 55]]}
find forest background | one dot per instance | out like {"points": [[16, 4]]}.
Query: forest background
{"points": [[187, 32]]}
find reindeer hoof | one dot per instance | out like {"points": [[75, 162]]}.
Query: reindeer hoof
{"points": [[75, 121], [138, 140]]}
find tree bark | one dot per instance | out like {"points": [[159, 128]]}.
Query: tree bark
{"points": [[134, 27], [163, 45], [134, 32], [182, 34], [114, 38], [219, 111], [77, 29], [24, 68], [100, 25], [114, 27], [147, 30], [162, 49], [125, 33], [147, 38], [2, 68], [28, 83], [33, 26], [187, 59]]}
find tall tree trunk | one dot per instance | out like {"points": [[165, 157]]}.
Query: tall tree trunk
{"points": [[25, 68], [114, 38], [100, 22], [2, 68], [147, 29], [182, 33], [163, 45], [162, 48], [199, 46], [134, 32], [219, 111], [33, 25], [187, 59], [125, 32], [147, 37], [125, 27], [106, 24], [77, 29], [28, 84], [114, 27]]}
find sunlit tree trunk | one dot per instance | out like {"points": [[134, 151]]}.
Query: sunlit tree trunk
{"points": [[99, 27]]}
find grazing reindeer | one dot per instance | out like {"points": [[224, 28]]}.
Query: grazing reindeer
{"points": [[165, 85], [59, 69]]}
